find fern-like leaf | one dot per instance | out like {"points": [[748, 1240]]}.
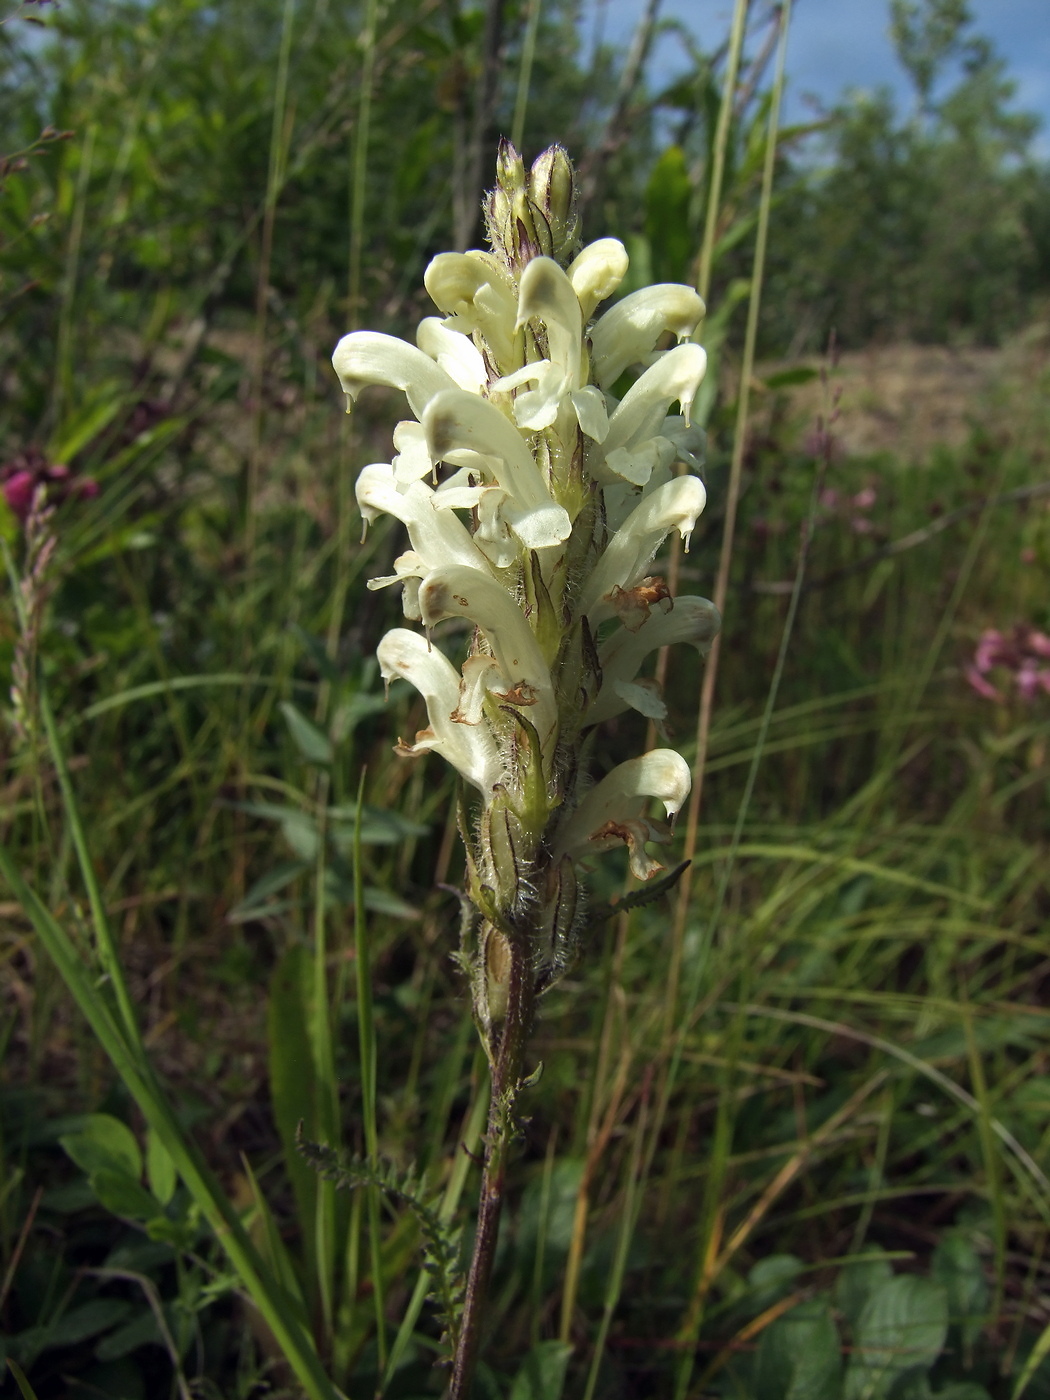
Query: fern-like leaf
{"points": [[648, 894], [441, 1240]]}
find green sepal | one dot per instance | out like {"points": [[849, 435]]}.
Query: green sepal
{"points": [[545, 622], [534, 806]]}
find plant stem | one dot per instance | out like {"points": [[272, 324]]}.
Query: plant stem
{"points": [[506, 1081]]}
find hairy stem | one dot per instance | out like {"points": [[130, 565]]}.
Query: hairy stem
{"points": [[506, 1080]]}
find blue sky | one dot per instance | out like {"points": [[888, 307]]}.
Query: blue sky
{"points": [[838, 44]]}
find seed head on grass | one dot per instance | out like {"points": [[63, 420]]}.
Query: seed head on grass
{"points": [[535, 501], [34, 588]]}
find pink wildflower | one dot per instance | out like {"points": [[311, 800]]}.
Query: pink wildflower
{"points": [[28, 469], [982, 686], [1019, 654], [18, 492]]}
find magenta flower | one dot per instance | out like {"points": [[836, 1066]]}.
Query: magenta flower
{"points": [[1017, 655], [29, 469]]}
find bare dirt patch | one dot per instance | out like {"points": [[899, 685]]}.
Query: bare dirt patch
{"points": [[909, 399]]}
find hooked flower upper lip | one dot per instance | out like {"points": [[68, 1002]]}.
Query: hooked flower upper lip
{"points": [[369, 357], [461, 428], [628, 332], [455, 591], [471, 750], [674, 506], [612, 811]]}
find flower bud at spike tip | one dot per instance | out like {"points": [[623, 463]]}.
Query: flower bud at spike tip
{"points": [[552, 188], [510, 168], [535, 505], [535, 216]]}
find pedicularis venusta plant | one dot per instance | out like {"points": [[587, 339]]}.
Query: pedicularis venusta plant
{"points": [[535, 502]]}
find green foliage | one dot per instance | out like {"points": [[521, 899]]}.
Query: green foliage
{"points": [[880, 945], [110, 1317], [900, 1330], [442, 1243], [923, 226], [895, 1330], [542, 1374], [925, 35], [799, 1356]]}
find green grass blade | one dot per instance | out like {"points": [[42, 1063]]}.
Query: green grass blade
{"points": [[628, 1220], [293, 1090], [721, 142], [108, 953], [528, 54], [367, 1042], [278, 1310], [326, 1102], [150, 689], [28, 1393]]}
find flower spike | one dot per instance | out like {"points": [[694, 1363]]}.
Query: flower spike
{"points": [[535, 504]]}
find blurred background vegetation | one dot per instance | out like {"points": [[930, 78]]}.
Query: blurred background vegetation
{"points": [[837, 1113]]}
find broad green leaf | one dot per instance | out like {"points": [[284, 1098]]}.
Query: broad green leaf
{"points": [[69, 1199], [350, 713], [176, 1234], [542, 1375], [137, 1255], [913, 1387], [799, 1356], [256, 900], [857, 1282], [387, 902], [378, 826], [124, 1195], [78, 1324], [160, 1169], [771, 1279], [300, 831], [314, 746], [297, 826], [958, 1266], [667, 225], [902, 1328], [787, 378], [102, 1141], [545, 1220], [140, 1331]]}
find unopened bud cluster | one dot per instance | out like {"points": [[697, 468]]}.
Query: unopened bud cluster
{"points": [[535, 502], [533, 214]]}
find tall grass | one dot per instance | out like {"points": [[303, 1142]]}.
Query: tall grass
{"points": [[244, 889]]}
